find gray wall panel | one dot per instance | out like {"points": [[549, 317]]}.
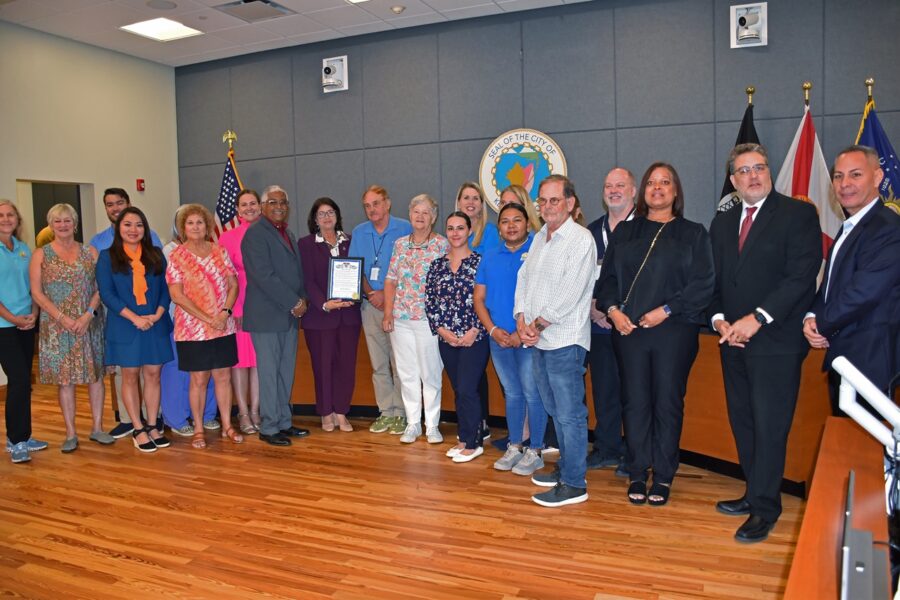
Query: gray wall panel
{"points": [[459, 163], [777, 80], [203, 107], [405, 171], [664, 63], [589, 156], [480, 79], [689, 148], [263, 107], [400, 76], [570, 86], [338, 175], [861, 40], [197, 185], [326, 122]]}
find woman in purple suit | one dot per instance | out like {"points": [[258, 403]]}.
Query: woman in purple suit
{"points": [[330, 327]]}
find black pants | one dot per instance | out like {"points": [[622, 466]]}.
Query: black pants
{"points": [[761, 392], [16, 356], [465, 367], [605, 388], [654, 366]]}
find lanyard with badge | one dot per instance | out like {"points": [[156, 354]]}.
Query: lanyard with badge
{"points": [[375, 271]]}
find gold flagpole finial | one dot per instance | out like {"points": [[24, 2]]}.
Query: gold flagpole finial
{"points": [[870, 82], [807, 85], [750, 91], [230, 137]]}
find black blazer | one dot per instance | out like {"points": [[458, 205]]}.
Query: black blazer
{"points": [[861, 318], [776, 271]]}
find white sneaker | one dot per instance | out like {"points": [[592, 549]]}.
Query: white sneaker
{"points": [[433, 435], [531, 462], [509, 459], [412, 431]]}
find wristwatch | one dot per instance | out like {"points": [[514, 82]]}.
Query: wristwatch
{"points": [[760, 318], [325, 307], [228, 310], [666, 309]]}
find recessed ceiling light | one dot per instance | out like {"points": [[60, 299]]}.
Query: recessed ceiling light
{"points": [[397, 9], [161, 30]]}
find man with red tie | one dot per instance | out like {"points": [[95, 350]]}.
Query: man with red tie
{"points": [[857, 310], [767, 251]]}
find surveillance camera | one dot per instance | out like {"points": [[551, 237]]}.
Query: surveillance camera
{"points": [[328, 70], [748, 19]]}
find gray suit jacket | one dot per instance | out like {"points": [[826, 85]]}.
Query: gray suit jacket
{"points": [[274, 279]]}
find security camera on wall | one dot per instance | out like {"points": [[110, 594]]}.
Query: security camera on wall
{"points": [[749, 25], [334, 74]]}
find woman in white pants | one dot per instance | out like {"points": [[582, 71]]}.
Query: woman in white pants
{"points": [[415, 347]]}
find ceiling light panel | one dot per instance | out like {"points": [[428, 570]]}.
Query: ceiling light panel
{"points": [[161, 30]]}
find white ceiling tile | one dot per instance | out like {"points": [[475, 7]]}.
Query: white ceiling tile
{"points": [[345, 16], [23, 11], [417, 20], [319, 36], [382, 8], [481, 10], [90, 20], [306, 6], [181, 7], [444, 5], [292, 25], [247, 34], [268, 45], [515, 5], [366, 28], [208, 20]]}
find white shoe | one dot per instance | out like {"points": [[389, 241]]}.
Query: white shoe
{"points": [[454, 450], [433, 435], [412, 431], [463, 458]]}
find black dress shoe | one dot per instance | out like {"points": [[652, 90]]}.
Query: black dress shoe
{"points": [[276, 439], [295, 432], [736, 507], [754, 529]]}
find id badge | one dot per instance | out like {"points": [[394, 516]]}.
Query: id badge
{"points": [[374, 273]]}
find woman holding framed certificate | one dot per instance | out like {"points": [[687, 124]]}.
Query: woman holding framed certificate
{"points": [[331, 325]]}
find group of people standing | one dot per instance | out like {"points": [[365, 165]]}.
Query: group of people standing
{"points": [[539, 294]]}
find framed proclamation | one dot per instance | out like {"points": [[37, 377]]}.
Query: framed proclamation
{"points": [[345, 278]]}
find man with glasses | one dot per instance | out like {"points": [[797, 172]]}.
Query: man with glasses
{"points": [[552, 310], [767, 251], [275, 301], [373, 241], [619, 192]]}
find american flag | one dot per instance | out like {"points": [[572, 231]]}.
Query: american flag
{"points": [[226, 205]]}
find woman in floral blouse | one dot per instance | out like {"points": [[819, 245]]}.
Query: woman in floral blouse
{"points": [[463, 341], [415, 347]]}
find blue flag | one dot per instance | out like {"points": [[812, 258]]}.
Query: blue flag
{"points": [[872, 134]]}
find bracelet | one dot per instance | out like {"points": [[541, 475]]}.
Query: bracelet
{"points": [[491, 332], [611, 309]]}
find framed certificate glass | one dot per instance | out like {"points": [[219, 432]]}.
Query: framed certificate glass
{"points": [[345, 278]]}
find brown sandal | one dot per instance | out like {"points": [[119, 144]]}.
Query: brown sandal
{"points": [[198, 440], [232, 435]]}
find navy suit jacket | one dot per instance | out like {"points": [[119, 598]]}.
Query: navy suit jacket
{"points": [[861, 317], [775, 271], [274, 279], [315, 258], [117, 292]]}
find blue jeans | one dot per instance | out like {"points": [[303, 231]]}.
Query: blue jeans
{"points": [[515, 369], [560, 380]]}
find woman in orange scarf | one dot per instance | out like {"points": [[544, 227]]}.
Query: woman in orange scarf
{"points": [[131, 276]]}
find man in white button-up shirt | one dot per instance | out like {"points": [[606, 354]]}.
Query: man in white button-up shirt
{"points": [[857, 310], [552, 309]]}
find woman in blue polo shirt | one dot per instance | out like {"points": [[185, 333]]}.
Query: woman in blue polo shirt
{"points": [[17, 318], [494, 296]]}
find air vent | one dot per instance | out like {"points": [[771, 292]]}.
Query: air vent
{"points": [[254, 10]]}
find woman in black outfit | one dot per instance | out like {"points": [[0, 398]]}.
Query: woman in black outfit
{"points": [[656, 282]]}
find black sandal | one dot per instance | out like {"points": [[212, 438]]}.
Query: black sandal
{"points": [[661, 491], [146, 446], [160, 442], [637, 492]]}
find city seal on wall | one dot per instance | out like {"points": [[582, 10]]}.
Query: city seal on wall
{"points": [[519, 157]]}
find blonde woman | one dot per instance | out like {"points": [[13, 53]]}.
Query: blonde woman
{"points": [[518, 194], [470, 200]]}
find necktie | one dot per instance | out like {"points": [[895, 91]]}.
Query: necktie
{"points": [[746, 224]]}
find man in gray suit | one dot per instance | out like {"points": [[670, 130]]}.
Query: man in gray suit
{"points": [[275, 301]]}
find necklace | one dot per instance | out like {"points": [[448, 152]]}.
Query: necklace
{"points": [[414, 244], [515, 247]]}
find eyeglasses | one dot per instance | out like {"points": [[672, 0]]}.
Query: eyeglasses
{"points": [[758, 169], [277, 202], [551, 201], [324, 214]]}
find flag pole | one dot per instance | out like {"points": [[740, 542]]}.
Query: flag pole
{"points": [[750, 91], [230, 137], [807, 85], [870, 83]]}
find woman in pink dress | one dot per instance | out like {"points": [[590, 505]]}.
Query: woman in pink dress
{"points": [[244, 378]]}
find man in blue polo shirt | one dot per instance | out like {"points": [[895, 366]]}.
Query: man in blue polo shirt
{"points": [[373, 241], [115, 200], [609, 448]]}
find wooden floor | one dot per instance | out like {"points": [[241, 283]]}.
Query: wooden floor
{"points": [[355, 516]]}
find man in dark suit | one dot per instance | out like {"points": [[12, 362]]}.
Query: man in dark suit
{"points": [[276, 299], [767, 250], [857, 310]]}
